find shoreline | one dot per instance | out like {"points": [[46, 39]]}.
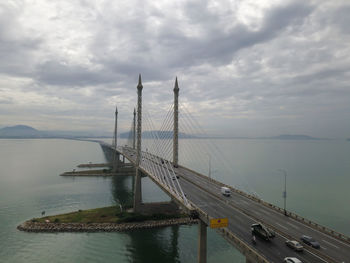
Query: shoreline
{"points": [[38, 227]]}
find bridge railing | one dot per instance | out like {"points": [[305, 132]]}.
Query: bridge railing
{"points": [[297, 217], [245, 248]]}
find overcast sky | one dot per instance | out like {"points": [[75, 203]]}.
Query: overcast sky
{"points": [[245, 68]]}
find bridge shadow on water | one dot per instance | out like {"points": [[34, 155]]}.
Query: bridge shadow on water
{"points": [[148, 245]]}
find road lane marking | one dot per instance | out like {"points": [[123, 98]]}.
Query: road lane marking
{"points": [[241, 211], [292, 225], [322, 233], [329, 243], [265, 212], [306, 250], [243, 201], [282, 226]]}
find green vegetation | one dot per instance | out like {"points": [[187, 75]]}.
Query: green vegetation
{"points": [[132, 217], [109, 214]]}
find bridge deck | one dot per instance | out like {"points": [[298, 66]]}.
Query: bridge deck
{"points": [[242, 212]]}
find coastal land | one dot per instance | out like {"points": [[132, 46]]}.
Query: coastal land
{"points": [[106, 219]]}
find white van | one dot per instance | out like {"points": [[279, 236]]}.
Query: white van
{"points": [[225, 191]]}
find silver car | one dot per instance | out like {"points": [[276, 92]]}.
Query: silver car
{"points": [[291, 260], [294, 245]]}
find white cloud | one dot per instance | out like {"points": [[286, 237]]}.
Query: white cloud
{"points": [[281, 66]]}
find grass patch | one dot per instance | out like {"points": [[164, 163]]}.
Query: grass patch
{"points": [[109, 214]]}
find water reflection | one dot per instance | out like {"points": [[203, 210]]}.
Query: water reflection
{"points": [[148, 245], [121, 187], [154, 245]]}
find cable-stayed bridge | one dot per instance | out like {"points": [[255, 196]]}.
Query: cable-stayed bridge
{"points": [[200, 196]]}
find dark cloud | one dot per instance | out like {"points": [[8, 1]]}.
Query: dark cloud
{"points": [[56, 73], [17, 47], [287, 67], [342, 19], [6, 101]]}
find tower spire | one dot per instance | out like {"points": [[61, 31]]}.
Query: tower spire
{"points": [[176, 87], [140, 82]]}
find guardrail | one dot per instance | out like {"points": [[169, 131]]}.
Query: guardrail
{"points": [[299, 218], [232, 238]]}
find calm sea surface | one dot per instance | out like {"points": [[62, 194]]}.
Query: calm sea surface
{"points": [[318, 180]]}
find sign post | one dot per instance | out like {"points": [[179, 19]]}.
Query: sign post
{"points": [[218, 222]]}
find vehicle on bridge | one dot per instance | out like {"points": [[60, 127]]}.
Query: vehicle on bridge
{"points": [[310, 241], [294, 245], [262, 231], [292, 260], [225, 191]]}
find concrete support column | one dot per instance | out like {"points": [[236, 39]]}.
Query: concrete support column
{"points": [[137, 189], [176, 125], [202, 242]]}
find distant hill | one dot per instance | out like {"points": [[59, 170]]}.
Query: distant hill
{"points": [[160, 134], [27, 132], [293, 137], [20, 131]]}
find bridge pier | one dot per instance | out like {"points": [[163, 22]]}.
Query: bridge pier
{"points": [[116, 160], [137, 191], [202, 242]]}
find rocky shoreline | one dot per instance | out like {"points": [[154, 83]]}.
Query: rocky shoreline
{"points": [[30, 226]]}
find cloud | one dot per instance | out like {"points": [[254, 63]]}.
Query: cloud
{"points": [[18, 47], [275, 64]]}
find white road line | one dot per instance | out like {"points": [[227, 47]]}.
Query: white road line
{"points": [[243, 201], [329, 243], [322, 233], [292, 225], [305, 250], [282, 226], [265, 212], [335, 239]]}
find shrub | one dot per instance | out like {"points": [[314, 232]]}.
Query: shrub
{"points": [[56, 220]]}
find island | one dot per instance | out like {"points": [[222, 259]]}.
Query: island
{"points": [[106, 219]]}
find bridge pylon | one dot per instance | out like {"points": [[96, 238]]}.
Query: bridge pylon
{"points": [[115, 136], [134, 130], [176, 125], [137, 188]]}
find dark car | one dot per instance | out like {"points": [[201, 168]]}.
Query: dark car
{"points": [[294, 245], [262, 231], [310, 241]]}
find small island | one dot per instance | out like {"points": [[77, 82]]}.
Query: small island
{"points": [[106, 219]]}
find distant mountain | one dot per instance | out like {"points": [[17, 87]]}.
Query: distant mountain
{"points": [[294, 137], [26, 132], [159, 134], [20, 131]]}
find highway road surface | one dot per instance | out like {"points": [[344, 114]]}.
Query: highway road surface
{"points": [[242, 211]]}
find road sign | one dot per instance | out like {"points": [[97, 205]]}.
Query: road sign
{"points": [[218, 222]]}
